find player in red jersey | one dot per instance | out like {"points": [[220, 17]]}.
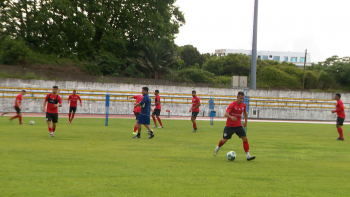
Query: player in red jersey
{"points": [[340, 115], [234, 125], [137, 110], [18, 107], [73, 100], [157, 110], [194, 109], [53, 103]]}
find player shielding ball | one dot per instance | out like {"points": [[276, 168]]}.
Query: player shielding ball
{"points": [[340, 115], [157, 110], [73, 100], [194, 109], [234, 125], [137, 111], [144, 117], [18, 107], [53, 103]]}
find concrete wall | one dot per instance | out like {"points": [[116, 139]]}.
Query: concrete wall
{"points": [[176, 109]]}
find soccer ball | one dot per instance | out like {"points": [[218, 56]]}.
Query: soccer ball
{"points": [[231, 156], [32, 122]]}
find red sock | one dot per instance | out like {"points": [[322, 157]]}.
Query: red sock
{"points": [[246, 146], [69, 116], [221, 143], [72, 117], [50, 129], [135, 129], [160, 122], [194, 126], [16, 116], [154, 120], [340, 131], [20, 119], [53, 129]]}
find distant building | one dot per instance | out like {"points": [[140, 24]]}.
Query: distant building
{"points": [[296, 58]]}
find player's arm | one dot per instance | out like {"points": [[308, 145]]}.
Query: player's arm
{"points": [[80, 101], [59, 103], [142, 102], [68, 99], [245, 118], [341, 108], [227, 115], [18, 104], [44, 105], [199, 104]]}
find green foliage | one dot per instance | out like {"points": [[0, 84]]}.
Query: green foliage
{"points": [[14, 51], [230, 65], [273, 77], [223, 80], [191, 56], [196, 75], [311, 80]]}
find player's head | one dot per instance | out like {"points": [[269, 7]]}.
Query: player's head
{"points": [[145, 90], [54, 89], [337, 96], [194, 93], [74, 92], [156, 92], [240, 97], [23, 92]]}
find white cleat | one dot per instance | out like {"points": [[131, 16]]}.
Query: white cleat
{"points": [[154, 126], [216, 150], [52, 135], [160, 127]]}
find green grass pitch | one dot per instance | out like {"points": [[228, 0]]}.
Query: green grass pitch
{"points": [[86, 158]]}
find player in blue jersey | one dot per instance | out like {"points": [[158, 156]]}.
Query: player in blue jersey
{"points": [[144, 117]]}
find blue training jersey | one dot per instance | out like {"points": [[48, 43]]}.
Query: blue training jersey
{"points": [[145, 105]]}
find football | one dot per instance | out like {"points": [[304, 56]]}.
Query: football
{"points": [[231, 156], [32, 122]]}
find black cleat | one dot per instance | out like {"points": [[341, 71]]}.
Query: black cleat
{"points": [[195, 130], [137, 136], [250, 158], [340, 139], [151, 134]]}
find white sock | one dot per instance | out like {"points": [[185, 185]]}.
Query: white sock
{"points": [[248, 155]]}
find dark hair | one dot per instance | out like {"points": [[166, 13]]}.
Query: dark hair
{"points": [[338, 94], [24, 91], [194, 91], [55, 87], [240, 93], [157, 91], [145, 88], [74, 90]]}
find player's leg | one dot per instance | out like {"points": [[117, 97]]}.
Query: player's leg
{"points": [[54, 123], [139, 121], [150, 131], [49, 125], [17, 112], [159, 120], [70, 114], [20, 118], [340, 122], [193, 119], [136, 125], [242, 135], [74, 109], [228, 132], [154, 119]]}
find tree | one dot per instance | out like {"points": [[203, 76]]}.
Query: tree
{"points": [[190, 55], [230, 65]]}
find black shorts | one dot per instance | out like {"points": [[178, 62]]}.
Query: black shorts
{"points": [[156, 112], [195, 114], [18, 110], [229, 131], [72, 109], [137, 114], [340, 121], [52, 117]]}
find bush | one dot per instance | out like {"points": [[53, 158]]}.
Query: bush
{"points": [[325, 80], [223, 80], [195, 75], [311, 80], [273, 77], [14, 51]]}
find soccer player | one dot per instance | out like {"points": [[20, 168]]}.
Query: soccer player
{"points": [[73, 99], [340, 115], [137, 111], [144, 117], [18, 107], [53, 103], [195, 109], [157, 109], [233, 124]]}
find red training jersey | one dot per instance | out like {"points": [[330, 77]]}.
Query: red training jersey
{"points": [[195, 102], [74, 100], [235, 109], [138, 98], [18, 98], [157, 99], [52, 100], [340, 109]]}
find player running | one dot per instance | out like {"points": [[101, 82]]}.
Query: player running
{"points": [[195, 110], [340, 115], [157, 109], [137, 111], [18, 107], [144, 117], [233, 124], [73, 100], [53, 103]]}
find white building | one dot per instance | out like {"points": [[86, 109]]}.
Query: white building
{"points": [[293, 57]]}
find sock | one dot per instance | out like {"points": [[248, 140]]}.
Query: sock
{"points": [[50, 129], [340, 131], [20, 119], [72, 117], [246, 147], [16, 116], [53, 129], [154, 120], [220, 143], [135, 129], [160, 122], [69, 115], [194, 126]]}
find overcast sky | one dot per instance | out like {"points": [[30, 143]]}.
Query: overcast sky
{"points": [[321, 26]]}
